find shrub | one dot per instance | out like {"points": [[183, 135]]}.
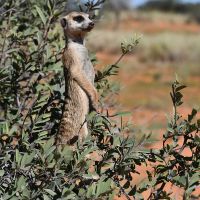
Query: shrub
{"points": [[174, 6], [31, 99]]}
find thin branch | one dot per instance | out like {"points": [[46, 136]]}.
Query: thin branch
{"points": [[92, 5], [121, 188]]}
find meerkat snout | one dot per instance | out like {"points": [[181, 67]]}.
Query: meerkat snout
{"points": [[91, 24]]}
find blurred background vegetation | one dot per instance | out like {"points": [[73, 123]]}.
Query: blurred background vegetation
{"points": [[169, 45]]}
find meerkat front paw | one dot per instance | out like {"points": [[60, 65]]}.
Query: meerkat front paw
{"points": [[94, 100], [95, 107]]}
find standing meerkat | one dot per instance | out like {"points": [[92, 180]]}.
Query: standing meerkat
{"points": [[80, 93]]}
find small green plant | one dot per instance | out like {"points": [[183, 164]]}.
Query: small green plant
{"points": [[31, 101], [173, 164]]}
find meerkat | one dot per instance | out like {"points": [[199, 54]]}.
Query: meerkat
{"points": [[80, 93]]}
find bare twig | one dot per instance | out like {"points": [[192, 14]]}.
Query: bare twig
{"points": [[93, 5]]}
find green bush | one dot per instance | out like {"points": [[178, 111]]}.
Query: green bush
{"points": [[31, 102], [192, 9]]}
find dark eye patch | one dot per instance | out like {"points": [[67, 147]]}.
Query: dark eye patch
{"points": [[78, 18]]}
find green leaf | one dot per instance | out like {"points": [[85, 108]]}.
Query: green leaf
{"points": [[46, 197], [91, 191], [21, 183], [127, 185], [18, 157], [52, 193], [14, 198], [85, 153], [67, 153], [171, 130], [41, 14], [47, 146], [180, 180], [112, 195], [180, 88], [195, 179], [50, 151], [26, 192], [198, 123], [132, 192], [70, 197], [2, 172], [82, 192], [103, 187], [193, 114], [50, 5], [123, 113], [27, 159]]}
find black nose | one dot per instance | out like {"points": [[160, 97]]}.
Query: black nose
{"points": [[91, 24]]}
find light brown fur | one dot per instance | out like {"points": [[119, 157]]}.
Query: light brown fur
{"points": [[80, 93]]}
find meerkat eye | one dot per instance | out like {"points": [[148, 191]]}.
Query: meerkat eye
{"points": [[78, 18]]}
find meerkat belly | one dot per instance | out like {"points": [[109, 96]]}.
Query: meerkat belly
{"points": [[79, 98], [80, 109], [76, 109], [87, 65], [89, 70], [79, 102], [84, 101]]}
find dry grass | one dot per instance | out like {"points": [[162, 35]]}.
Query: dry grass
{"points": [[167, 46], [165, 36], [156, 16]]}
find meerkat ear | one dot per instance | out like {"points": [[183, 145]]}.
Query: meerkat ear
{"points": [[63, 22]]}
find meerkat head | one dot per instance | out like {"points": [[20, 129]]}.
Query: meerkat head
{"points": [[77, 23]]}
